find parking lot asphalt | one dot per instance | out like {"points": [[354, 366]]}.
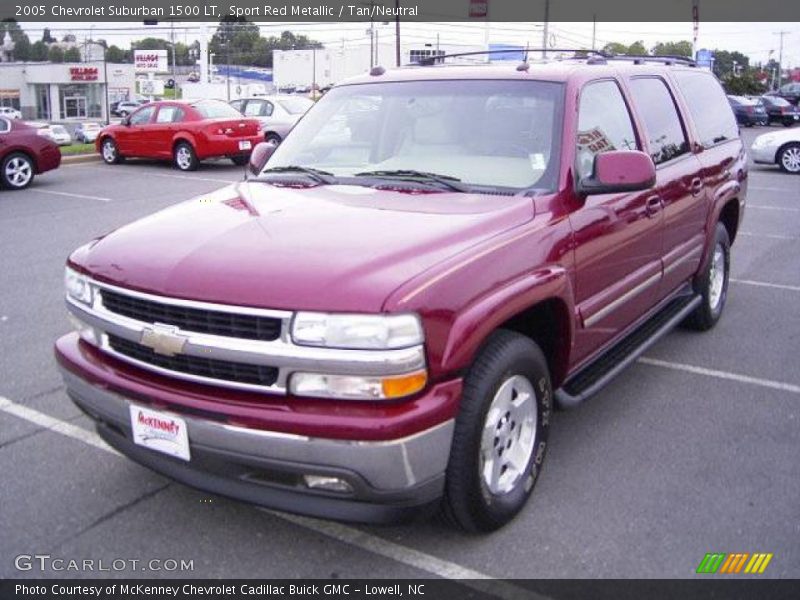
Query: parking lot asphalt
{"points": [[692, 450]]}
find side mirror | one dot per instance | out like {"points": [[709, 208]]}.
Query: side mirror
{"points": [[126, 121], [259, 156], [619, 171]]}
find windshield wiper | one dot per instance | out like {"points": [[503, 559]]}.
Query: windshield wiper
{"points": [[453, 183], [323, 177]]}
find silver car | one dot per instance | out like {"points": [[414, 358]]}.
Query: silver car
{"points": [[86, 133], [277, 114]]}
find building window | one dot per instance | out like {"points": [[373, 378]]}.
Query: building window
{"points": [[417, 56], [43, 112]]}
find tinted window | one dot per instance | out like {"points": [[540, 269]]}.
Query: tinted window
{"points": [[663, 128], [604, 124], [142, 116], [237, 104], [212, 109], [711, 113], [257, 108], [4, 126]]}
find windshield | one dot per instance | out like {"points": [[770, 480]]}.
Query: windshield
{"points": [[211, 109], [481, 132], [778, 101], [295, 106]]}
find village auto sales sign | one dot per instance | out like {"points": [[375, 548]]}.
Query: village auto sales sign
{"points": [[150, 61]]}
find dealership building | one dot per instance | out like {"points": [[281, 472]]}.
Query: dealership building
{"points": [[64, 92]]}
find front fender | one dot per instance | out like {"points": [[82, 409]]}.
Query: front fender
{"points": [[472, 326]]}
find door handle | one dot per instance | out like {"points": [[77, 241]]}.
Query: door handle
{"points": [[653, 206], [696, 186]]}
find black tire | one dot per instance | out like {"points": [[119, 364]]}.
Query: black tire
{"points": [[468, 501], [273, 138], [240, 161], [109, 152], [712, 304], [789, 158], [17, 171], [184, 157]]}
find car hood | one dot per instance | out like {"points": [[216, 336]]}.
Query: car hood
{"points": [[776, 138], [337, 248]]}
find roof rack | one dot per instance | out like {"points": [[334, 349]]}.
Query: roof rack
{"points": [[593, 56], [639, 59], [432, 60]]}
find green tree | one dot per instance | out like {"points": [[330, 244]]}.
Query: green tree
{"points": [[682, 48], [46, 37], [723, 62], [39, 51], [55, 54], [115, 54], [72, 54], [22, 45], [618, 48], [745, 84], [23, 49], [637, 48]]}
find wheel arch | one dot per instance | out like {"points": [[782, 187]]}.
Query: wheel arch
{"points": [[31, 156], [538, 305]]}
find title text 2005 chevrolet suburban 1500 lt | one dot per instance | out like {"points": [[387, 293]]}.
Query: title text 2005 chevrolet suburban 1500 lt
{"points": [[381, 320]]}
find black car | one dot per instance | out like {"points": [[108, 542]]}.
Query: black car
{"points": [[780, 110], [748, 111], [790, 92]]}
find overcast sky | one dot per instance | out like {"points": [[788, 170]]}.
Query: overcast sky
{"points": [[756, 40]]}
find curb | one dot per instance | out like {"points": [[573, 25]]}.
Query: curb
{"points": [[79, 158]]}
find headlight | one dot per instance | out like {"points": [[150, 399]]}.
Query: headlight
{"points": [[77, 286], [348, 387], [357, 332]]}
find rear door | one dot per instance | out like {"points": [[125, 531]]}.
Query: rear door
{"points": [[617, 237], [161, 133], [716, 142], [679, 179]]}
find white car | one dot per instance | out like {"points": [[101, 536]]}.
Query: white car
{"points": [[780, 148], [60, 135], [277, 114], [86, 133], [10, 113]]}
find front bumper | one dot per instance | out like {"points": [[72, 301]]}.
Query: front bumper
{"points": [[390, 480], [763, 154]]}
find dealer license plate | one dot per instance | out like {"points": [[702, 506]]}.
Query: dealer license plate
{"points": [[162, 432], [245, 145]]}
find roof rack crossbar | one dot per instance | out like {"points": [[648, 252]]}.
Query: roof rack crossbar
{"points": [[432, 60]]}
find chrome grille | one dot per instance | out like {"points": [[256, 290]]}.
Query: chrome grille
{"points": [[228, 324], [193, 365]]}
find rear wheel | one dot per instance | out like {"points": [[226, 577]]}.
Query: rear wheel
{"points": [[185, 157], [272, 138], [789, 158], [500, 435], [712, 284], [17, 171]]}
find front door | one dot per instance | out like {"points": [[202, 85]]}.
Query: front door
{"points": [[617, 237], [131, 138]]}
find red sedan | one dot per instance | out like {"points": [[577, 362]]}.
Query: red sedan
{"points": [[24, 153], [184, 132]]}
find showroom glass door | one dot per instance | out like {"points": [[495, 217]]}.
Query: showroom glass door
{"points": [[75, 107]]}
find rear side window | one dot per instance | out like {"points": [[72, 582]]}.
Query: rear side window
{"points": [[710, 110], [665, 135], [604, 124], [169, 114], [4, 126]]}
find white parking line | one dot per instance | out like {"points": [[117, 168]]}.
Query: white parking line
{"points": [[83, 196], [191, 178], [763, 207], [758, 188], [53, 424], [768, 383], [349, 535], [772, 236], [777, 286]]}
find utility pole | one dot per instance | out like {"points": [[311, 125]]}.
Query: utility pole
{"points": [[780, 57], [594, 32], [546, 25], [397, 34]]}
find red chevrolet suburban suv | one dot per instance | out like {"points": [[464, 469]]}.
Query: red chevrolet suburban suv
{"points": [[381, 320]]}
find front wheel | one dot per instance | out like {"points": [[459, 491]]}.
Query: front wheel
{"points": [[500, 435], [789, 158], [110, 152], [17, 171], [712, 284], [185, 157]]}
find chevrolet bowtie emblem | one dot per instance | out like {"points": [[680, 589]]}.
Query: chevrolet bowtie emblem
{"points": [[163, 339]]}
